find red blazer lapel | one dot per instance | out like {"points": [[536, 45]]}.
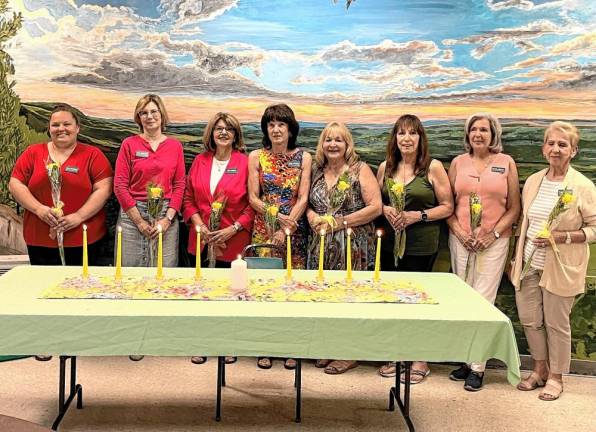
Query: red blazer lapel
{"points": [[205, 174]]}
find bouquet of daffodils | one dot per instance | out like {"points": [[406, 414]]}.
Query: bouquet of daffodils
{"points": [[475, 221], [337, 196], [154, 209], [217, 208], [55, 177], [271, 222], [561, 205], [397, 197]]}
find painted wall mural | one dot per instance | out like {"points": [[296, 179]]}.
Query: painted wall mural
{"points": [[364, 62]]}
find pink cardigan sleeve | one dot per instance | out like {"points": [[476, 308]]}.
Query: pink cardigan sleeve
{"points": [[179, 183], [122, 178]]}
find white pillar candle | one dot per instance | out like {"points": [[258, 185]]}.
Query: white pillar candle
{"points": [[239, 274]]}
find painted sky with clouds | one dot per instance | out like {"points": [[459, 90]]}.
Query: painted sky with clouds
{"points": [[368, 63]]}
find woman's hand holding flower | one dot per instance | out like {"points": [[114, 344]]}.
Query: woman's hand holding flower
{"points": [[68, 222], [146, 229], [46, 215], [286, 222], [221, 236], [483, 241]]}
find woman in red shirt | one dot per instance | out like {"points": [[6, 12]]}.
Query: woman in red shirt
{"points": [[150, 158], [86, 186], [220, 172]]}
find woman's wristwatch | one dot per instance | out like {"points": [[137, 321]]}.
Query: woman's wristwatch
{"points": [[567, 237], [237, 226]]}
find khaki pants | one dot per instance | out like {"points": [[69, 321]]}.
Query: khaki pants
{"points": [[485, 272], [545, 318]]}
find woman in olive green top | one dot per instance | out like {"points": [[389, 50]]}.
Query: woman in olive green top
{"points": [[428, 199]]}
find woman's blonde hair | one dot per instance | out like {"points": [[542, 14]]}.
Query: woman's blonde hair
{"points": [[568, 129], [231, 122], [143, 102], [335, 129]]}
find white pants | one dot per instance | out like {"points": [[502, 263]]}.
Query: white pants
{"points": [[485, 272]]}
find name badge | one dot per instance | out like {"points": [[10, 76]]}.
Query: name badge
{"points": [[142, 154], [72, 169], [294, 164], [232, 171], [499, 170], [562, 191]]}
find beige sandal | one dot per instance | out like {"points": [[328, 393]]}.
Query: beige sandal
{"points": [[531, 383], [337, 367], [416, 376], [388, 370], [552, 390]]}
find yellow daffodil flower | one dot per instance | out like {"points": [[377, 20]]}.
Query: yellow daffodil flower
{"points": [[342, 186], [544, 232], [155, 192], [273, 210], [217, 205], [397, 188], [567, 198]]}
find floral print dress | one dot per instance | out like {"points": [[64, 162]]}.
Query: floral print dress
{"points": [[363, 236], [279, 179]]}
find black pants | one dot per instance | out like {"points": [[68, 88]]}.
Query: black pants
{"points": [[412, 263], [205, 262], [39, 255]]}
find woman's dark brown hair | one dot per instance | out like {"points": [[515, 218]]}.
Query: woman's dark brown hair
{"points": [[69, 109], [281, 113], [407, 122]]}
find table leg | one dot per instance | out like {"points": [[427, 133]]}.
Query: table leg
{"points": [[220, 381], [395, 393], [298, 385], [74, 390]]}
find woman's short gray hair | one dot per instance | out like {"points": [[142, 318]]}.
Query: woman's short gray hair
{"points": [[495, 145]]}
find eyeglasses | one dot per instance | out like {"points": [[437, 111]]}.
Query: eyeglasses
{"points": [[220, 130], [152, 113]]}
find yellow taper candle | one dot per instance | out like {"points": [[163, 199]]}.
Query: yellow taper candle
{"points": [[118, 274], [321, 256], [349, 256], [288, 255], [378, 257], [159, 252], [85, 256], [198, 254]]}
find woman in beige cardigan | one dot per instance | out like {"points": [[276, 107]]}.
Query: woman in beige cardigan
{"points": [[558, 266]]}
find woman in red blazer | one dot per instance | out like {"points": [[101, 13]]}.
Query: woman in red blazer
{"points": [[219, 172]]}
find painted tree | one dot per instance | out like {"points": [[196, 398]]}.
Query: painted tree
{"points": [[11, 136]]}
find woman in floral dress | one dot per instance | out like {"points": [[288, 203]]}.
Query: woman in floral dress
{"points": [[278, 184]]}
